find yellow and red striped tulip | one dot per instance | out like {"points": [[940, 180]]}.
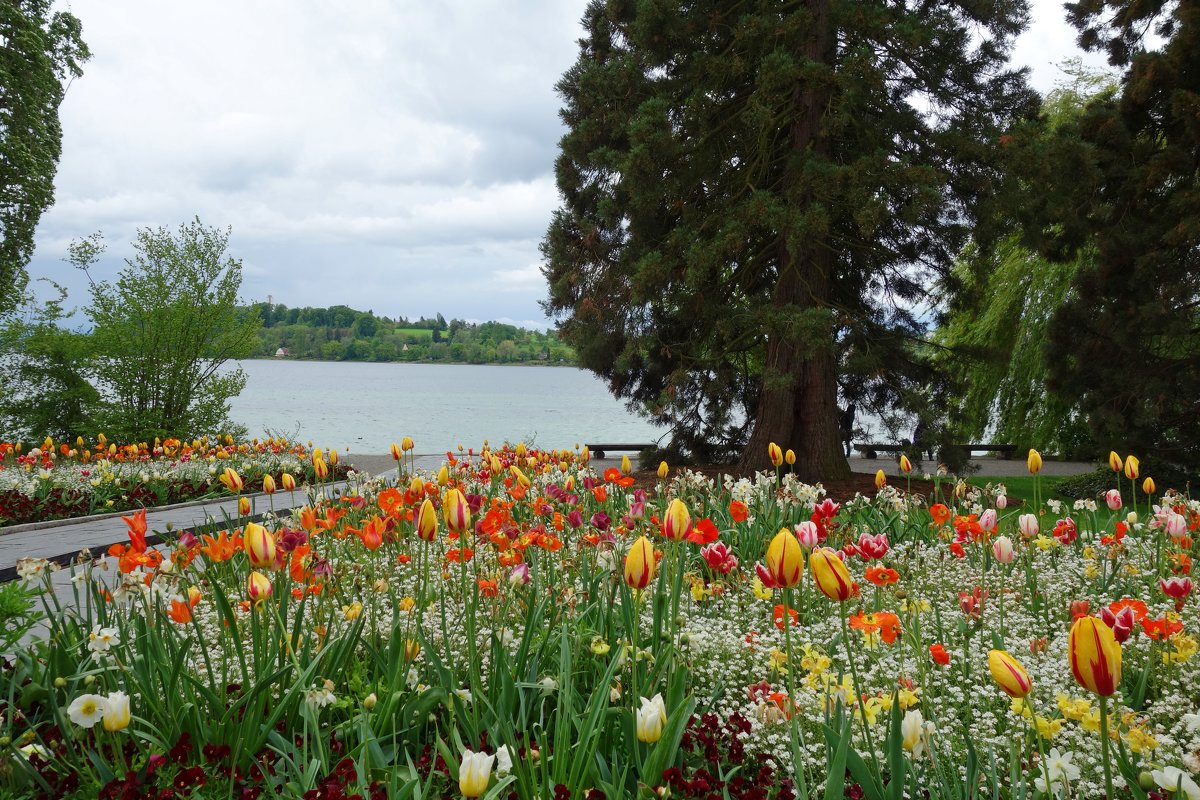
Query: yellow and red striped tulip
{"points": [[233, 481], [905, 465], [521, 451], [456, 512], [880, 479], [443, 476], [1132, 465], [522, 479], [268, 484], [677, 522], [427, 521], [258, 587], [831, 575], [333, 458], [318, 453], [775, 454], [585, 455], [416, 487], [259, 545], [1148, 486], [790, 457], [407, 443], [397, 453], [1095, 655], [1034, 461], [412, 648], [244, 506], [1009, 674], [320, 468], [785, 559], [1114, 461], [640, 565], [287, 482]]}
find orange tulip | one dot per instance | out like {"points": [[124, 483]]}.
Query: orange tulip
{"points": [[831, 575], [259, 545], [785, 559], [1009, 674], [678, 521], [1095, 654], [427, 521], [456, 512], [640, 565]]}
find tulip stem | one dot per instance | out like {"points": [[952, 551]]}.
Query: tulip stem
{"points": [[797, 753], [1104, 746], [862, 711]]}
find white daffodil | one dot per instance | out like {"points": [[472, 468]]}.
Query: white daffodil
{"points": [[1173, 779], [86, 710], [102, 639], [503, 761], [1057, 773]]}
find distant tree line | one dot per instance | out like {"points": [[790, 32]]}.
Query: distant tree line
{"points": [[341, 333]]}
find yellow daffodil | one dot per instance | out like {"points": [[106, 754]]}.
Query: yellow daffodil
{"points": [[1139, 740], [761, 591], [1049, 728]]}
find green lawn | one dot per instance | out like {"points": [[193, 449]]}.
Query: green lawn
{"points": [[417, 333], [1021, 488]]}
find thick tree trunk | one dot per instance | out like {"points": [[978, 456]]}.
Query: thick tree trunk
{"points": [[798, 407]]}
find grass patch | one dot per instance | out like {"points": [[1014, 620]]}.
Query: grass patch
{"points": [[422, 334], [1021, 487]]}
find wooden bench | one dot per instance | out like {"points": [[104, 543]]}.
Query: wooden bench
{"points": [[871, 450], [598, 450]]}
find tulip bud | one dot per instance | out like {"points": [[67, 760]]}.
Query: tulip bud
{"points": [[116, 712], [396, 452], [651, 718], [785, 560], [640, 565], [232, 481], [1002, 549], [333, 458], [1001, 502], [808, 534], [585, 455], [1095, 655], [259, 545], [1148, 486], [268, 484], [790, 457], [1112, 499], [905, 465], [522, 479], [1009, 674], [320, 468], [831, 575], [287, 482], [1028, 525], [880, 479], [474, 773], [244, 506], [370, 701], [456, 512], [626, 466], [987, 520], [775, 454], [1034, 462], [427, 522], [412, 649], [1176, 525], [258, 587], [1114, 461], [416, 487], [407, 443], [443, 476], [663, 470], [1132, 465], [677, 522]]}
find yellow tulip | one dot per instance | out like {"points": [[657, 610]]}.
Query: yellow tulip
{"points": [[443, 476], [333, 458], [640, 565], [1114, 461], [1095, 654], [427, 521], [268, 484], [287, 482], [412, 648], [905, 465], [775, 454], [626, 466], [585, 455], [663, 470], [677, 522], [1132, 465], [880, 479], [1148, 486], [233, 481], [1034, 462], [474, 773], [790, 457], [785, 559], [407, 443], [244, 506], [1009, 674], [831, 575], [258, 587], [396, 452], [521, 451], [456, 512], [416, 486], [522, 479], [259, 545], [116, 712], [320, 468]]}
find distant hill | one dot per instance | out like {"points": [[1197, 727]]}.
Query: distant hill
{"points": [[341, 333]]}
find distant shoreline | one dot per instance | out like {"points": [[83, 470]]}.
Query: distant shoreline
{"points": [[443, 362]]}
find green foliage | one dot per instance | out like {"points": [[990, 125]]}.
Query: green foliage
{"points": [[750, 192], [340, 333], [42, 367], [164, 331], [1092, 485], [40, 53]]}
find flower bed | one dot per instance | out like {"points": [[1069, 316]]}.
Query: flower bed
{"points": [[518, 626], [48, 482]]}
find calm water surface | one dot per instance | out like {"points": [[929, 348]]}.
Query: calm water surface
{"points": [[364, 407]]}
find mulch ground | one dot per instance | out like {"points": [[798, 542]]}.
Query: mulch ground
{"points": [[839, 491]]}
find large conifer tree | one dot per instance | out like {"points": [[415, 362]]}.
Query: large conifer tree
{"points": [[1127, 343], [752, 189]]}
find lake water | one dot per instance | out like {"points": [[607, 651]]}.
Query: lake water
{"points": [[364, 407]]}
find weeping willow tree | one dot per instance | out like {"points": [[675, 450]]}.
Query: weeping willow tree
{"points": [[995, 336]]}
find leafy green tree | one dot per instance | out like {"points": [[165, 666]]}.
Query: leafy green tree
{"points": [[40, 53], [164, 331], [43, 369], [751, 190], [1126, 343]]}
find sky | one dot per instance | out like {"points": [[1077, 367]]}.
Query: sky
{"points": [[389, 155]]}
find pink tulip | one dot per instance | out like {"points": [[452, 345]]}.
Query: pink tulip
{"points": [[1002, 549], [873, 547], [1028, 524], [808, 534], [1113, 498], [987, 520]]}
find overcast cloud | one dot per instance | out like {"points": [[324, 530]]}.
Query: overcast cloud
{"points": [[382, 154]]}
